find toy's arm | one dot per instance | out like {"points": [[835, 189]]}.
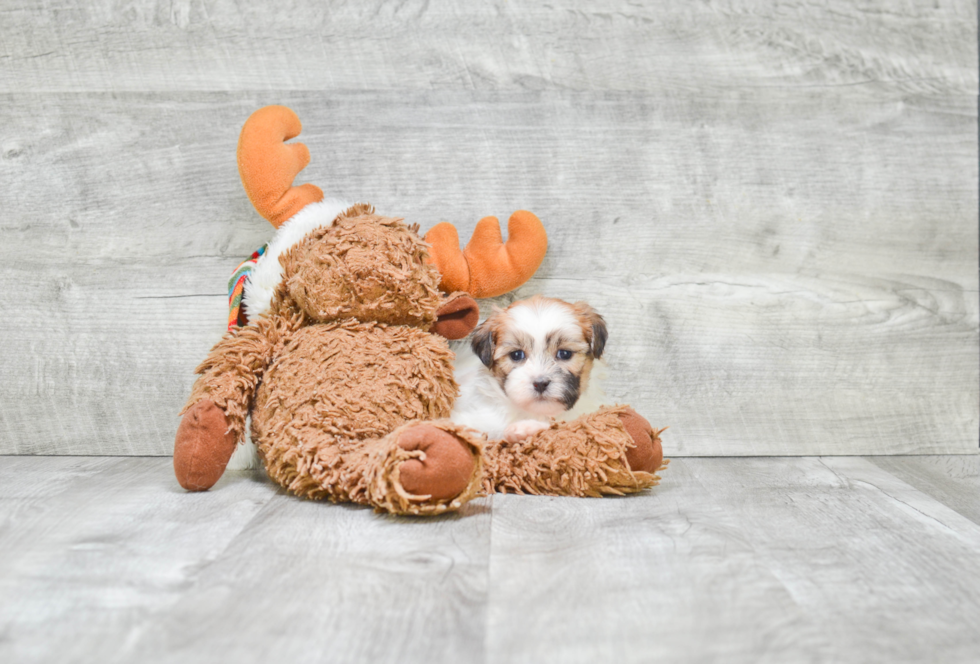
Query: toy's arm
{"points": [[489, 266], [230, 373], [214, 418], [613, 450]]}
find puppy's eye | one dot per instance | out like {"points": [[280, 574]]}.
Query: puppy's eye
{"points": [[564, 354], [517, 355]]}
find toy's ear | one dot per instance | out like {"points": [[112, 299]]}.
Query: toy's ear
{"points": [[457, 316], [489, 267]]}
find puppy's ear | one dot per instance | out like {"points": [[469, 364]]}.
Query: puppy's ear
{"points": [[594, 327], [483, 342], [599, 336]]}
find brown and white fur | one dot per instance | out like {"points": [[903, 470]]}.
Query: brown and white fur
{"points": [[531, 362]]}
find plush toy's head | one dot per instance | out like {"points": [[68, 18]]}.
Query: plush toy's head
{"points": [[364, 266]]}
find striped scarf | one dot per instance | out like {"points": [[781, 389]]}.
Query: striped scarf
{"points": [[236, 285]]}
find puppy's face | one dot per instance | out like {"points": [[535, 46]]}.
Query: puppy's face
{"points": [[541, 351]]}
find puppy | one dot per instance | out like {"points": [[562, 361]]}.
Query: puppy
{"points": [[531, 362]]}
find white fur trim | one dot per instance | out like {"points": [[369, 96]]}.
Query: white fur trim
{"points": [[267, 273]]}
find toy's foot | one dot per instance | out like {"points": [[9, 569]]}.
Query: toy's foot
{"points": [[446, 468], [203, 446], [647, 455]]}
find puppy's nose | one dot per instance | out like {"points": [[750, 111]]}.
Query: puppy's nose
{"points": [[541, 385]]}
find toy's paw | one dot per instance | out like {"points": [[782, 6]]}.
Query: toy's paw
{"points": [[520, 430], [203, 446], [445, 468], [647, 454]]}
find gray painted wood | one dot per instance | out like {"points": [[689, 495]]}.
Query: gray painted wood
{"points": [[747, 333], [918, 46], [325, 583], [107, 559], [761, 560], [738, 560], [953, 480], [773, 205], [94, 548]]}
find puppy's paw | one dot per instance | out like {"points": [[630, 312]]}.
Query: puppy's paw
{"points": [[520, 430]]}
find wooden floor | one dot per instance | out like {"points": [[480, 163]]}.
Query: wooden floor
{"points": [[804, 559]]}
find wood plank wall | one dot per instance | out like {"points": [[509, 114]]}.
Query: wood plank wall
{"points": [[774, 204]]}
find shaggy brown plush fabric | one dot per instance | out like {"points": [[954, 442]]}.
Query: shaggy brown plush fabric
{"points": [[349, 391], [584, 457], [338, 370], [349, 379], [366, 267], [232, 370], [326, 405]]}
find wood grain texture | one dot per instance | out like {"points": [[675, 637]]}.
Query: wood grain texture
{"points": [[107, 559], [953, 480], [761, 560], [94, 548], [786, 272], [773, 204], [326, 583], [737, 560], [914, 46]]}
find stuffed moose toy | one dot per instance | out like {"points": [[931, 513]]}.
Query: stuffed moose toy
{"points": [[342, 362]]}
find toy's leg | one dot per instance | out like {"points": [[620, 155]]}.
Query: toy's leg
{"points": [[203, 446], [232, 370], [420, 468], [611, 451]]}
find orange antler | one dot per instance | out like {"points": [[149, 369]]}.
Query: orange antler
{"points": [[489, 267], [267, 165]]}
